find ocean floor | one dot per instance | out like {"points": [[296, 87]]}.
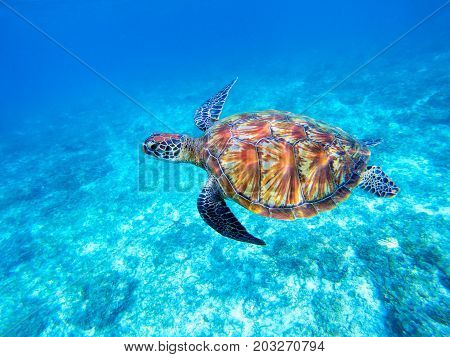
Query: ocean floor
{"points": [[99, 241]]}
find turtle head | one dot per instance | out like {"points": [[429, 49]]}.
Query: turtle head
{"points": [[165, 146]]}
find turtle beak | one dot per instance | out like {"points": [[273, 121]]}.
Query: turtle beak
{"points": [[149, 146], [145, 149]]}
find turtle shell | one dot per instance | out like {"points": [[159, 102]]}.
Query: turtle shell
{"points": [[282, 165]]}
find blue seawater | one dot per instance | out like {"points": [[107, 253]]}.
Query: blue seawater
{"points": [[97, 240]]}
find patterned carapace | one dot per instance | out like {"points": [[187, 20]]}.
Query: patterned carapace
{"points": [[282, 165]]}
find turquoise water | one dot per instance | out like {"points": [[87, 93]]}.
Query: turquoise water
{"points": [[99, 241]]}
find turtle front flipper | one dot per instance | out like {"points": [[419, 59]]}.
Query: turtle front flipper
{"points": [[376, 181], [209, 112], [218, 216]]}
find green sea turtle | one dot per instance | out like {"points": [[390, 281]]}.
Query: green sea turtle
{"points": [[276, 164]]}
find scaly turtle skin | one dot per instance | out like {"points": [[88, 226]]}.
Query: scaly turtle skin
{"points": [[282, 165], [276, 164]]}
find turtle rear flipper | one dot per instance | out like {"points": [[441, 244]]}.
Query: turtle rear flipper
{"points": [[376, 181], [218, 216]]}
